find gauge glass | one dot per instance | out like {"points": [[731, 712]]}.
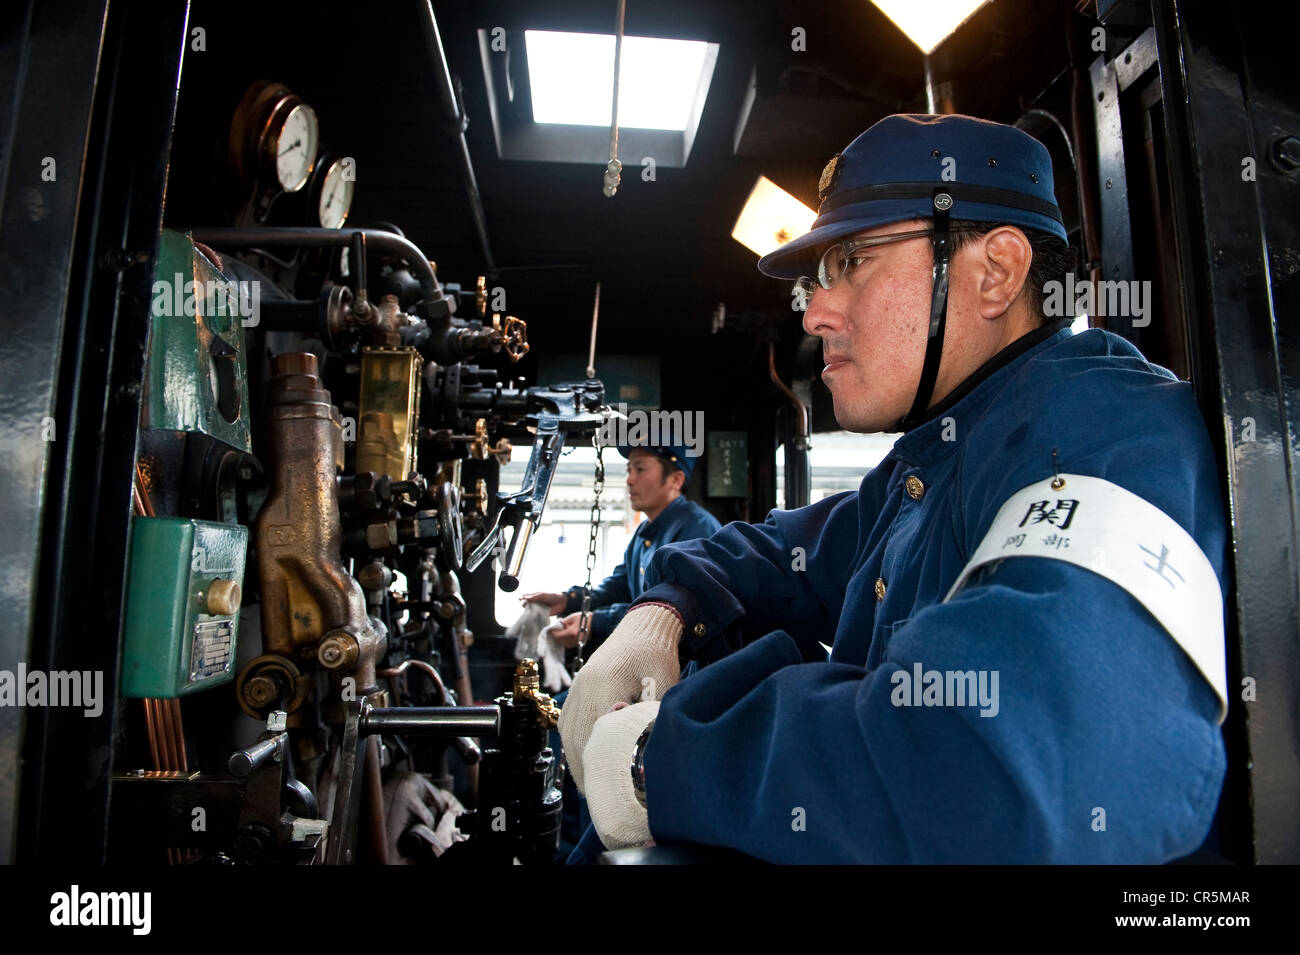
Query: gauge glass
{"points": [[296, 148], [336, 193]]}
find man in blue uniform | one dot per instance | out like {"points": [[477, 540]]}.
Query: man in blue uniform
{"points": [[656, 479], [1023, 601]]}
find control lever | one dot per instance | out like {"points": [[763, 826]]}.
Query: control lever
{"points": [[243, 762], [523, 511], [564, 408], [361, 720]]}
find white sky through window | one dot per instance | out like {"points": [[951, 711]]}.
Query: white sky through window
{"points": [[572, 78]]}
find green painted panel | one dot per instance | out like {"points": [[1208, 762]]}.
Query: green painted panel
{"points": [[198, 369], [173, 645]]}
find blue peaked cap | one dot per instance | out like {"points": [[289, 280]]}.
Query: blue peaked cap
{"points": [[997, 174], [673, 454]]}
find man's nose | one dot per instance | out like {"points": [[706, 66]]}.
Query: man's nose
{"points": [[819, 318]]}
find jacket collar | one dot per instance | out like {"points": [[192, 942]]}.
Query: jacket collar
{"points": [[925, 443], [650, 530]]}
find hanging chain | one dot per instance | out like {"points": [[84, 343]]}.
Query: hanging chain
{"points": [[584, 622]]}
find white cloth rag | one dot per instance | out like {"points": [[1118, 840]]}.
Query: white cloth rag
{"points": [[532, 636]]}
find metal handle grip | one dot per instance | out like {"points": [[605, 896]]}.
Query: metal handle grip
{"points": [[437, 721], [243, 762], [509, 579]]}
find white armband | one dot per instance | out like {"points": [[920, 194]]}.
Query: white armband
{"points": [[1101, 527]]}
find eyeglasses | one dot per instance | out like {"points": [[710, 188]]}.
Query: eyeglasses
{"points": [[839, 259]]}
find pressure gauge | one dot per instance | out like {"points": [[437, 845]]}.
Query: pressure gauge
{"points": [[291, 145], [336, 191]]}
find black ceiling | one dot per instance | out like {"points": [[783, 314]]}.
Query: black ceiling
{"points": [[662, 250]]}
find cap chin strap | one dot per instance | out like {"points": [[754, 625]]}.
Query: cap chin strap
{"points": [[942, 240]]}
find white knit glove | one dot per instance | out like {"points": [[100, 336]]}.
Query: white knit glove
{"points": [[618, 816], [636, 663]]}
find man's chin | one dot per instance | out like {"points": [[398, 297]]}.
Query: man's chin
{"points": [[861, 421]]}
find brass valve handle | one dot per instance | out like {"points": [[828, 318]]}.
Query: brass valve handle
{"points": [[516, 337], [528, 687], [512, 335]]}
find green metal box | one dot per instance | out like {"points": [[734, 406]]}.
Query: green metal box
{"points": [[182, 613], [198, 371]]}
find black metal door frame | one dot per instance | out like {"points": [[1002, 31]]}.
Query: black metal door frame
{"points": [[1237, 221], [94, 91]]}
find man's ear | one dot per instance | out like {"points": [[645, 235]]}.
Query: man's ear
{"points": [[677, 479], [1004, 256]]}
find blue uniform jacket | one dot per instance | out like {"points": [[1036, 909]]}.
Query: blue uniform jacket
{"points": [[1105, 747], [682, 520]]}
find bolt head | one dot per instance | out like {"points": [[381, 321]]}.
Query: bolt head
{"points": [[337, 651], [260, 690], [1286, 153], [381, 536]]}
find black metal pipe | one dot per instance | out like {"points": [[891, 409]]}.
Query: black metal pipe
{"points": [[437, 721], [302, 237], [457, 122], [245, 761], [357, 266], [468, 749], [798, 462], [292, 315]]}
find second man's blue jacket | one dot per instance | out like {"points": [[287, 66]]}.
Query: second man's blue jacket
{"points": [[682, 520]]}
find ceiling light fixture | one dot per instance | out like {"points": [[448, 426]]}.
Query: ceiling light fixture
{"points": [[928, 23], [771, 218]]}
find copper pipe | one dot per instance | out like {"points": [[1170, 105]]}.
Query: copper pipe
{"points": [[178, 724], [162, 718], [801, 422], [424, 667], [170, 740], [151, 730], [466, 694], [374, 804], [143, 505], [164, 734], [449, 583]]}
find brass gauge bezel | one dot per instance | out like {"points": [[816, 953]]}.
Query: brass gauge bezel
{"points": [[255, 131], [332, 163], [273, 130]]}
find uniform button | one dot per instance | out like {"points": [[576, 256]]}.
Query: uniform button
{"points": [[643, 570], [699, 629], [646, 542], [915, 488], [880, 588]]}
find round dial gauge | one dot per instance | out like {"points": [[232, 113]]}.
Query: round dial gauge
{"points": [[295, 147], [336, 193]]}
